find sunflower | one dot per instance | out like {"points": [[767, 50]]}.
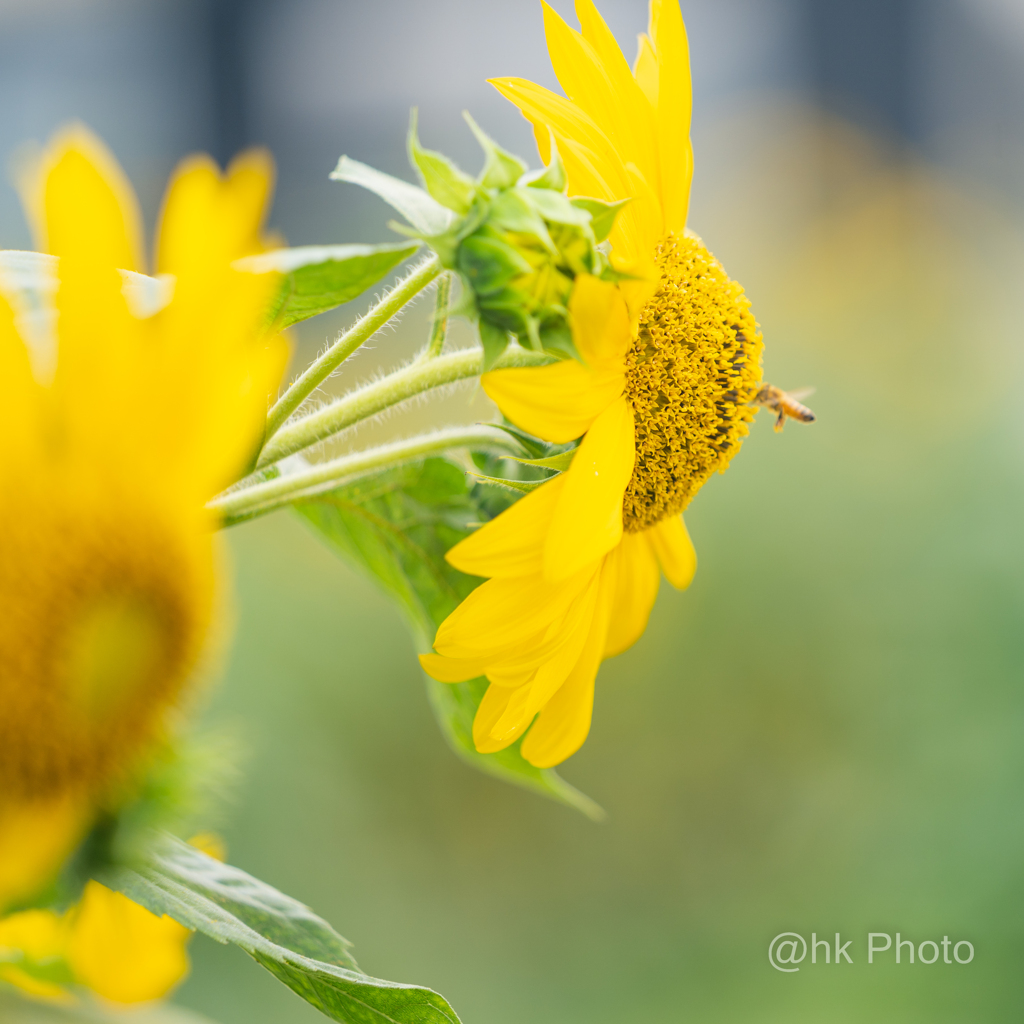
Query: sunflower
{"points": [[669, 364], [124, 408]]}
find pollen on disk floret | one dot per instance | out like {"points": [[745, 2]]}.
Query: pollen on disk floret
{"points": [[693, 369]]}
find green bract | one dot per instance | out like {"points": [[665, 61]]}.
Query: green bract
{"points": [[514, 238]]}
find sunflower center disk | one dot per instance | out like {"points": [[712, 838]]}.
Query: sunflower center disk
{"points": [[693, 368], [106, 618]]}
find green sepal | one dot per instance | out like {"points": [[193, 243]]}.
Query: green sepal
{"points": [[300, 949], [427, 216], [560, 462], [551, 177], [501, 169], [441, 178], [318, 278], [602, 215], [489, 262], [558, 209], [557, 338], [522, 486], [515, 210], [494, 340]]}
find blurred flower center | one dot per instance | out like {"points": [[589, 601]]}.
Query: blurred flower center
{"points": [[693, 368], [113, 649], [108, 612]]}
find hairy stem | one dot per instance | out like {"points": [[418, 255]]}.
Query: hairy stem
{"points": [[364, 328], [271, 494], [439, 327], [414, 379]]}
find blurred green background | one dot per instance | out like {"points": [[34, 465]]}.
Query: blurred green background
{"points": [[826, 732]]}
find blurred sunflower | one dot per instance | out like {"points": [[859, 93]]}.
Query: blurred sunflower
{"points": [[670, 362], [121, 417]]}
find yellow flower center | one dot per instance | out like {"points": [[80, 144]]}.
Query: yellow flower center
{"points": [[105, 613], [693, 368]]}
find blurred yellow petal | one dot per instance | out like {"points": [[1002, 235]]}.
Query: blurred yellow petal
{"points": [[36, 836], [34, 987], [558, 402], [212, 218], [123, 952], [512, 544], [588, 518], [635, 593], [674, 550], [83, 206]]}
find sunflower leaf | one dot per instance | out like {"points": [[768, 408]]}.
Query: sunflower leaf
{"points": [[300, 949], [396, 528], [318, 278]]}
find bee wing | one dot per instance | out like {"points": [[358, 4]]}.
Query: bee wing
{"points": [[801, 393]]}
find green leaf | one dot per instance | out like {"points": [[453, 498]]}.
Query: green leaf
{"points": [[318, 278], [602, 215], [501, 168], [300, 949], [441, 178], [396, 527], [419, 208], [16, 1010]]}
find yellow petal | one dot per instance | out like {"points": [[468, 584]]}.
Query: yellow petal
{"points": [[635, 593], [512, 544], [675, 100], [645, 70], [594, 74], [563, 723], [123, 952], [600, 323], [451, 670], [558, 402], [494, 704], [503, 615], [588, 518], [674, 550]]}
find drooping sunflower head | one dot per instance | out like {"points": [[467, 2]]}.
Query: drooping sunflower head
{"points": [[122, 416], [691, 373]]}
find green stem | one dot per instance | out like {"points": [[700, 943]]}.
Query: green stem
{"points": [[271, 494], [439, 328], [414, 379], [364, 328]]}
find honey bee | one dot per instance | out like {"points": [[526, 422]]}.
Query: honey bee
{"points": [[784, 403]]}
